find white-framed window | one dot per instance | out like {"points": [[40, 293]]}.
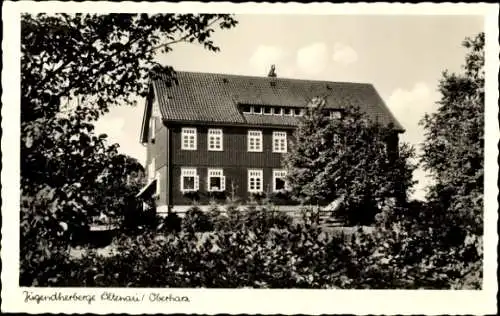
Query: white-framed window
{"points": [[216, 180], [254, 141], [297, 112], [255, 184], [247, 109], [158, 183], [190, 180], [277, 111], [188, 139], [335, 114], [215, 139], [257, 109], [279, 180], [279, 142], [268, 110], [151, 169], [288, 111]]}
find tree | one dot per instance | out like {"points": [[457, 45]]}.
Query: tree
{"points": [[350, 158], [454, 139], [453, 152], [438, 243], [73, 69]]}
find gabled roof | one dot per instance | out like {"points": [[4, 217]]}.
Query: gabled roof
{"points": [[214, 98]]}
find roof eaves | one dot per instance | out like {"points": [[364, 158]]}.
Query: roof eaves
{"points": [[229, 124]]}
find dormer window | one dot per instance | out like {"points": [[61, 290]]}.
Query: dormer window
{"points": [[247, 109], [288, 111], [277, 111], [297, 112], [257, 110], [267, 110]]}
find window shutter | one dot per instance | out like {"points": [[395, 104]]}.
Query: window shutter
{"points": [[223, 183], [196, 182]]}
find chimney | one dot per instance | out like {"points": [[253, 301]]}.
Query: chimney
{"points": [[272, 72]]}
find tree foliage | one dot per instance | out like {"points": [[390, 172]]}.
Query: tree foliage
{"points": [[74, 67], [453, 150], [351, 158], [438, 243]]}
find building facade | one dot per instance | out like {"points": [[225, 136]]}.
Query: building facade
{"points": [[210, 136]]}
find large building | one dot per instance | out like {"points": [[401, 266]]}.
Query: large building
{"points": [[211, 135]]}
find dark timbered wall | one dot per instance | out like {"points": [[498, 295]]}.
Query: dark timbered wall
{"points": [[235, 160]]}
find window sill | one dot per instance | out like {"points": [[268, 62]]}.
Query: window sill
{"points": [[191, 149]]}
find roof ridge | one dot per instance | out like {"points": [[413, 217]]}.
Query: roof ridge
{"points": [[272, 78]]}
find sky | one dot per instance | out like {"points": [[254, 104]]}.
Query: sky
{"points": [[402, 56]]}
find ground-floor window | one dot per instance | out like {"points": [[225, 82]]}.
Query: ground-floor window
{"points": [[189, 180], [255, 180], [279, 180], [216, 180]]}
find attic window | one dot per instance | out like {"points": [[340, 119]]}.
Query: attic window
{"points": [[267, 110], [224, 80], [257, 110], [277, 111], [287, 111], [247, 109], [297, 112], [273, 83]]}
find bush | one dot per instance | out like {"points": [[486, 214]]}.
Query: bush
{"points": [[256, 247], [292, 257], [195, 220], [412, 247], [172, 223]]}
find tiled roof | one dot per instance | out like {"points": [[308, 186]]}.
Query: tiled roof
{"points": [[271, 120], [214, 98]]}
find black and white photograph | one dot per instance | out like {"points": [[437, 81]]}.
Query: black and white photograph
{"points": [[194, 154]]}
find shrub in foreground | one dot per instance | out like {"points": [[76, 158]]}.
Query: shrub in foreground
{"points": [[406, 250], [195, 220], [282, 258]]}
